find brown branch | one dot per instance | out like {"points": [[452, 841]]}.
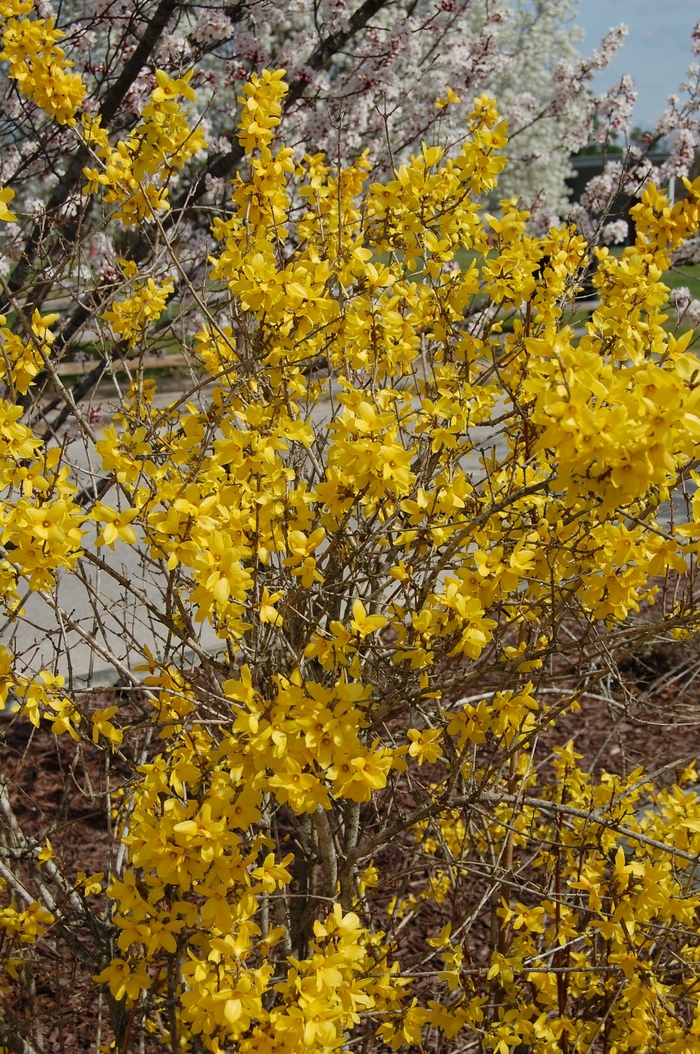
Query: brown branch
{"points": [[14, 1042], [594, 816], [326, 846]]}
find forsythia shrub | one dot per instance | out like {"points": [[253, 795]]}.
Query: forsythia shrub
{"points": [[402, 492]]}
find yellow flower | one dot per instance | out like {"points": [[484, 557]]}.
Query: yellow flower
{"points": [[271, 875], [46, 853], [425, 745], [268, 612], [123, 980], [102, 726], [363, 624], [6, 194]]}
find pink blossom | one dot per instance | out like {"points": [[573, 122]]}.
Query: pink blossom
{"points": [[211, 26], [140, 92], [542, 219], [695, 39], [173, 50], [615, 109], [214, 185], [579, 216], [70, 206], [335, 14], [682, 153], [85, 40], [220, 145], [615, 232], [609, 47], [34, 207], [12, 106], [523, 109], [601, 190], [9, 164]]}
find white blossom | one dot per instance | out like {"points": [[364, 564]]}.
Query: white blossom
{"points": [[692, 315], [688, 252], [602, 189], [680, 297], [686, 305]]}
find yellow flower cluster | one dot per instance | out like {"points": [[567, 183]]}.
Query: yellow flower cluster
{"points": [[131, 317], [21, 360], [37, 63], [40, 530], [135, 172], [27, 925], [260, 115], [188, 839]]}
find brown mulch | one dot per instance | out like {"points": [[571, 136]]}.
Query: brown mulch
{"points": [[57, 791], [649, 716]]}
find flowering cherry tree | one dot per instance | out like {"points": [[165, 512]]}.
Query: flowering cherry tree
{"points": [[627, 176], [377, 75], [403, 516]]}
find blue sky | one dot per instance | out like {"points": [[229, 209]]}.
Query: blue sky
{"points": [[657, 51]]}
